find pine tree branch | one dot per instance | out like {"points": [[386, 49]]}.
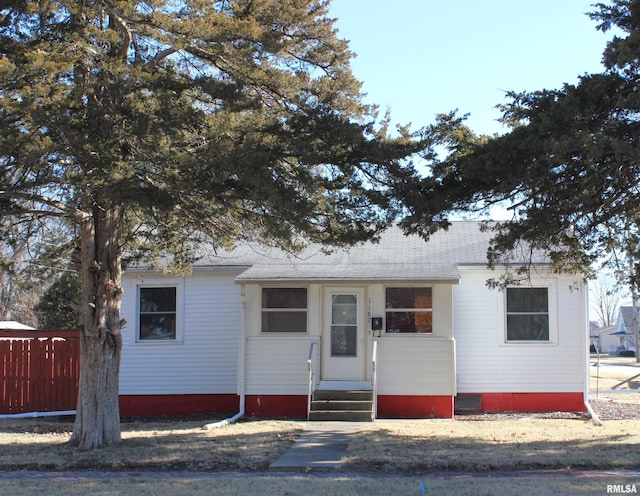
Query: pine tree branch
{"points": [[160, 56], [63, 208], [122, 27]]}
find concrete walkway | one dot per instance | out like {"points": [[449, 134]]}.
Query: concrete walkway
{"points": [[321, 447]]}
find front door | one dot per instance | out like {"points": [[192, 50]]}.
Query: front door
{"points": [[343, 348]]}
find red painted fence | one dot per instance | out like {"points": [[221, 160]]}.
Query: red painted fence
{"points": [[40, 371]]}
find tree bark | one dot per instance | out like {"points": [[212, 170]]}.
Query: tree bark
{"points": [[97, 420]]}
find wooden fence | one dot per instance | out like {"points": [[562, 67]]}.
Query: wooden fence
{"points": [[40, 371]]}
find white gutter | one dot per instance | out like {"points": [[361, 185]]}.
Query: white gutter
{"points": [[241, 371], [594, 416], [587, 344], [37, 414], [229, 420]]}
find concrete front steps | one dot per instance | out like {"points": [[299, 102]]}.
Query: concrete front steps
{"points": [[342, 405]]}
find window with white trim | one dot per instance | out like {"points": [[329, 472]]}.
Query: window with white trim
{"points": [[157, 315], [284, 309], [528, 314], [409, 310]]}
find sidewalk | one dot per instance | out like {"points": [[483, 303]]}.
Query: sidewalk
{"points": [[321, 447]]}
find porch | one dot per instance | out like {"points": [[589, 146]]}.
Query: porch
{"points": [[404, 378]]}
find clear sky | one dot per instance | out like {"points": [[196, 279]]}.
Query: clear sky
{"points": [[424, 57]]}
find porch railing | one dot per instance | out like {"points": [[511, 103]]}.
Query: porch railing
{"points": [[310, 369], [374, 379]]}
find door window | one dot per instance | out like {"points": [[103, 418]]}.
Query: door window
{"points": [[344, 325]]}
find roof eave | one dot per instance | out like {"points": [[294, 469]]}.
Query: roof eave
{"points": [[342, 280]]}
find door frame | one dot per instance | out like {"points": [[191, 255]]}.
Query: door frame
{"points": [[344, 368]]}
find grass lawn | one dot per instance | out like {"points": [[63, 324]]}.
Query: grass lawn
{"points": [[332, 485], [390, 447], [609, 379]]}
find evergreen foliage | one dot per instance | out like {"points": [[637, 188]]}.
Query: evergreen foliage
{"points": [[569, 170], [157, 125], [57, 308]]}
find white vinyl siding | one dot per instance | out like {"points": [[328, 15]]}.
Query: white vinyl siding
{"points": [[411, 364], [468, 332], [278, 364], [416, 366], [205, 359], [486, 363]]}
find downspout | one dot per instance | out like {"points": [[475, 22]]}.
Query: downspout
{"points": [[586, 343], [37, 414], [241, 370]]}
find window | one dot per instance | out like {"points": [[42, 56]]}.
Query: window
{"points": [[527, 314], [284, 309], [157, 313], [344, 325], [408, 310]]}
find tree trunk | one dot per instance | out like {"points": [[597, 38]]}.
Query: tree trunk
{"points": [[97, 420]]}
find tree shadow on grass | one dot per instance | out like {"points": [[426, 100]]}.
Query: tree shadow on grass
{"points": [[386, 451], [151, 446]]}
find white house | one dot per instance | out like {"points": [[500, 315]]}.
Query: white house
{"points": [[623, 339], [412, 322], [602, 339]]}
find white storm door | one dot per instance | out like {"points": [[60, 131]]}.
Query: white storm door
{"points": [[343, 348]]}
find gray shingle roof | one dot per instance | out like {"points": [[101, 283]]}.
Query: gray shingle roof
{"points": [[395, 257], [350, 272], [626, 312]]}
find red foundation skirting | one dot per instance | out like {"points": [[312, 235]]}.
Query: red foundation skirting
{"points": [[174, 405], [389, 406], [276, 405], [415, 407], [533, 402]]}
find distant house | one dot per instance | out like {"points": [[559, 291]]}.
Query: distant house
{"points": [[623, 334], [12, 325], [258, 329], [602, 340]]}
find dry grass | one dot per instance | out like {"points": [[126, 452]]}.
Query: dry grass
{"points": [[517, 444], [603, 378], [406, 453], [390, 447], [305, 485], [41, 445]]}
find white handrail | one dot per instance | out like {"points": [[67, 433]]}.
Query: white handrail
{"points": [[310, 369], [374, 362]]}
